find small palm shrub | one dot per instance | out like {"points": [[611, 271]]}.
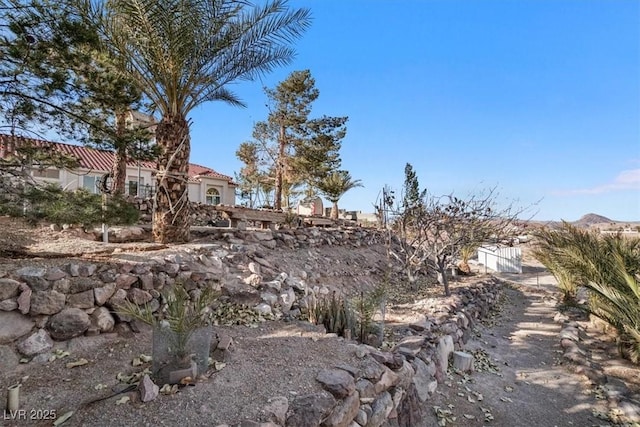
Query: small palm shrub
{"points": [[609, 268], [181, 314]]}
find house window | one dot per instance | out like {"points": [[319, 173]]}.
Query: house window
{"points": [[46, 173], [213, 196], [90, 183], [132, 185]]}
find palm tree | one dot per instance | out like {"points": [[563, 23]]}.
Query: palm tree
{"points": [[181, 54], [335, 185]]}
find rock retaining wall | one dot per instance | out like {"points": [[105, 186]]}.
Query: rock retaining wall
{"points": [[67, 298], [389, 388], [61, 300]]}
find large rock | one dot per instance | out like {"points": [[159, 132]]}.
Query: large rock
{"points": [[69, 323], [82, 284], [24, 301], [36, 343], [102, 319], [9, 288], [102, 295], [337, 382], [139, 296], [389, 379], [276, 409], [81, 300], [443, 350], [423, 380], [381, 408], [344, 413], [34, 277], [46, 302], [54, 273], [310, 410], [9, 304], [13, 325]]}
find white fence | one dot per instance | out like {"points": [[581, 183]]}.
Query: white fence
{"points": [[501, 260]]}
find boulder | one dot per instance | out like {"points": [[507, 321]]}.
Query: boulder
{"points": [[310, 410], [9, 288], [381, 408], [24, 301], [102, 319], [13, 325], [423, 379], [443, 350], [337, 382], [34, 277], [102, 295], [36, 343], [69, 323], [9, 304], [344, 412], [276, 409], [46, 302], [81, 300], [139, 296]]}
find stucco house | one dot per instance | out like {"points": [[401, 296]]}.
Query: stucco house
{"points": [[205, 184]]}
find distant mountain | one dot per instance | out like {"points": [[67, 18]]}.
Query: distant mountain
{"points": [[591, 219]]}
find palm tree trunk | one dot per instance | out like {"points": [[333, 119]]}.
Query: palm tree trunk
{"points": [[119, 168], [334, 210], [171, 214]]}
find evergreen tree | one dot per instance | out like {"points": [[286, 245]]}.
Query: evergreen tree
{"points": [[56, 73], [300, 149]]}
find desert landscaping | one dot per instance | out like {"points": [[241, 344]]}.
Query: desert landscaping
{"points": [[72, 354]]}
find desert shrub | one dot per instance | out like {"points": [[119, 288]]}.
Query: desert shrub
{"points": [[51, 203], [367, 304], [335, 313], [352, 317]]}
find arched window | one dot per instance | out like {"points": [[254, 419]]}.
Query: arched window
{"points": [[213, 196]]}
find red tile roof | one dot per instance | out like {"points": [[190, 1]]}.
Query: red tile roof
{"points": [[98, 160]]}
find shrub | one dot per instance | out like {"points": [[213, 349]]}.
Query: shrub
{"points": [[51, 203], [609, 268]]}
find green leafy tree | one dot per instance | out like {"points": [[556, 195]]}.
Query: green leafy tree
{"points": [[183, 54], [335, 185]]}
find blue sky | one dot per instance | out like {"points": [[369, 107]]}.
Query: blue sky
{"points": [[540, 99]]}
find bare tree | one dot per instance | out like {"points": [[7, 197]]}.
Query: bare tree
{"points": [[435, 229]]}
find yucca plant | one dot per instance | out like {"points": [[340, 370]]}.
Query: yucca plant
{"points": [[336, 314]]}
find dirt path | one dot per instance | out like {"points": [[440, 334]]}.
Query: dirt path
{"points": [[524, 382]]}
